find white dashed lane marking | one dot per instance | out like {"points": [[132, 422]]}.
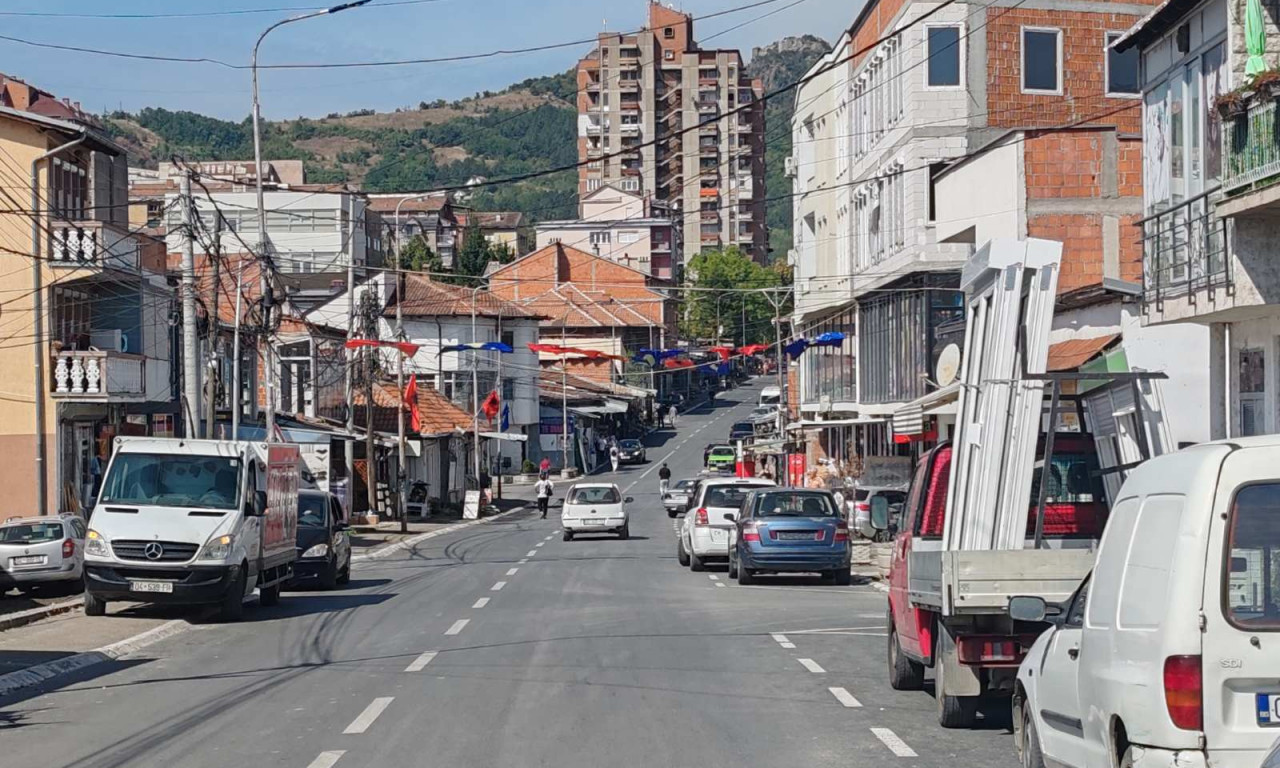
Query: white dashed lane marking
{"points": [[845, 698], [512, 571], [541, 544], [522, 562], [327, 759], [498, 586], [896, 745], [482, 602], [531, 553], [782, 640], [713, 577], [457, 627], [370, 713], [719, 584], [812, 666], [421, 662]]}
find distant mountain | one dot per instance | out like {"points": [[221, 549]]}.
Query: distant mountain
{"points": [[777, 65], [529, 127]]}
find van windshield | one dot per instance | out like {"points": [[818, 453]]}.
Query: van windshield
{"points": [[1253, 566], [166, 480]]}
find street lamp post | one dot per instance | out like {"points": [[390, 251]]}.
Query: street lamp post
{"points": [[401, 475], [265, 277]]}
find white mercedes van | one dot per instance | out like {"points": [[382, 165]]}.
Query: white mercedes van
{"points": [[1169, 653]]}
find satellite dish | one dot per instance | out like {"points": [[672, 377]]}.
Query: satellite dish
{"points": [[948, 365]]}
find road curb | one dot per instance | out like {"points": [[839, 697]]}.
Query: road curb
{"points": [[39, 673], [400, 546], [30, 615]]}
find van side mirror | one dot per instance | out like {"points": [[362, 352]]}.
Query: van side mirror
{"points": [[880, 513], [1032, 608], [259, 503]]}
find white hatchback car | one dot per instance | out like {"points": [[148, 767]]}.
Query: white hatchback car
{"points": [[595, 508], [42, 552], [704, 533]]}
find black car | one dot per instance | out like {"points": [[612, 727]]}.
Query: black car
{"points": [[324, 551], [631, 452], [741, 430]]}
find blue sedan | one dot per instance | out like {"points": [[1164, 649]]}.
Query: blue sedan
{"points": [[790, 530]]}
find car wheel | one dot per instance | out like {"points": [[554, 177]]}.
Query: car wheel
{"points": [[682, 555], [232, 607], [671, 513], [745, 577], [733, 566], [345, 577], [1026, 739], [695, 563], [269, 596], [329, 579], [94, 605], [953, 711], [568, 536], [904, 674], [843, 577], [625, 533]]}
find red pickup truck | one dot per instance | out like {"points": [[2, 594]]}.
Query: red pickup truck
{"points": [[948, 610]]}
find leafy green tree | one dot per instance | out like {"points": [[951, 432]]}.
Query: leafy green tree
{"points": [[416, 255], [719, 277], [472, 257]]}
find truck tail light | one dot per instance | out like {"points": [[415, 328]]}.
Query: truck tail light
{"points": [[1183, 689], [700, 517], [988, 650], [68, 549]]}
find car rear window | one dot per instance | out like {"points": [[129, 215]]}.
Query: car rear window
{"points": [[726, 495], [796, 504], [741, 426], [1253, 558], [30, 533], [594, 496], [311, 510]]}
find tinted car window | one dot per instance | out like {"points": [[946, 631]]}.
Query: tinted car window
{"points": [[594, 496], [796, 504], [311, 510], [1253, 558], [630, 445], [725, 496]]}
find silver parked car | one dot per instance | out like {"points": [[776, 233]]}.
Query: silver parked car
{"points": [[42, 552]]}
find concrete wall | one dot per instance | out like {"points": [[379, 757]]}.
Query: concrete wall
{"points": [[997, 212]]}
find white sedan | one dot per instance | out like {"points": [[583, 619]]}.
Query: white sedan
{"points": [[595, 508]]}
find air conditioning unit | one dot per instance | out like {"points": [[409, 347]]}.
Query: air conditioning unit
{"points": [[111, 341], [789, 167]]}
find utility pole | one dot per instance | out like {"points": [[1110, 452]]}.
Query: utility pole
{"points": [[211, 389], [564, 398], [349, 452], [782, 384], [401, 476], [190, 359]]}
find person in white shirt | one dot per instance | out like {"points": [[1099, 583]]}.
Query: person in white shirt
{"points": [[543, 490]]}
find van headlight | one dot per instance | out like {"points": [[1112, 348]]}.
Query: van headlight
{"points": [[95, 544], [218, 548], [319, 550]]}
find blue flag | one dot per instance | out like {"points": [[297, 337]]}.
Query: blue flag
{"points": [[506, 417]]}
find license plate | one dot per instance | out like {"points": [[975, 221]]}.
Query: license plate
{"points": [[29, 560], [719, 536], [151, 586], [1268, 709], [592, 521], [795, 536]]}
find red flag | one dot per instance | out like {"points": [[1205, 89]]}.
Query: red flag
{"points": [[754, 349], [403, 346], [411, 399], [590, 354], [723, 352], [491, 405]]}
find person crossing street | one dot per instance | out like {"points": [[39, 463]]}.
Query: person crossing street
{"points": [[543, 489], [664, 478]]}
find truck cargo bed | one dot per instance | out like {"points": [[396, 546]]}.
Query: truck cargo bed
{"points": [[983, 581]]}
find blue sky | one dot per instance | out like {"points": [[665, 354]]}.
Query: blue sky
{"points": [[444, 28]]}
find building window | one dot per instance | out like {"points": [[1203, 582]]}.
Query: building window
{"points": [[601, 238], [1122, 69], [669, 33], [631, 185], [669, 55], [70, 190], [1042, 60], [1253, 392], [509, 338], [943, 55], [593, 185]]}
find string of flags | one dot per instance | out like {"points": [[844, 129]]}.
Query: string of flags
{"points": [[591, 354], [828, 339], [479, 346], [404, 347]]}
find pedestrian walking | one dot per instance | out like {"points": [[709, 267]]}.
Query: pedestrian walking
{"points": [[664, 478], [543, 489], [544, 466], [671, 414], [613, 456]]}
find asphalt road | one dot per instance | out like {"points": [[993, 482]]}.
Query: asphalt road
{"points": [[503, 646]]}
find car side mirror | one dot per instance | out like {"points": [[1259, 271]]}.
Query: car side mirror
{"points": [[730, 517], [340, 526], [1032, 608], [628, 500], [879, 513]]}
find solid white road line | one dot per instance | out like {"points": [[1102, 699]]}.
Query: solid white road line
{"points": [[482, 602], [531, 553], [498, 586], [896, 745], [327, 759], [421, 662], [512, 571], [370, 713], [812, 666], [845, 698], [457, 626]]}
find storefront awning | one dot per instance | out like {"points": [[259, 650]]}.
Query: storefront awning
{"points": [[508, 436], [909, 419], [818, 423]]}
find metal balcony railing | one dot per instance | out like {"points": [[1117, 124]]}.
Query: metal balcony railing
{"points": [[1185, 248], [1250, 145]]}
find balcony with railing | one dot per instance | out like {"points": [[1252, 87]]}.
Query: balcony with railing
{"points": [[1185, 251], [1250, 147], [98, 376], [92, 245]]}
